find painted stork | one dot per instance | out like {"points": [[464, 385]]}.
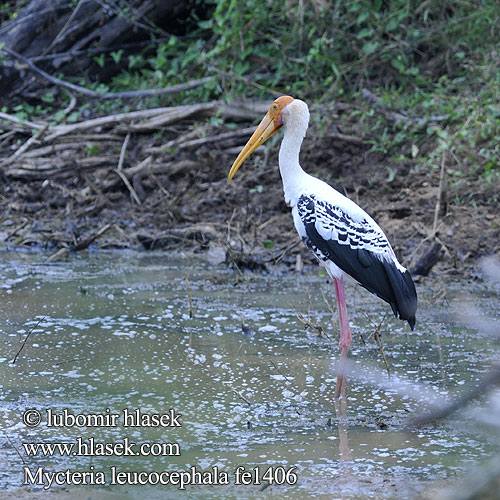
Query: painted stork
{"points": [[340, 234]]}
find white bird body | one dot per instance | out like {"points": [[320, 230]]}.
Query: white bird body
{"points": [[341, 235], [297, 183]]}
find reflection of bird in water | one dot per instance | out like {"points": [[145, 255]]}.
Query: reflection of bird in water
{"points": [[341, 412], [342, 236]]}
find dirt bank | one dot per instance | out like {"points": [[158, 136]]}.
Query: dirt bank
{"points": [[124, 185]]}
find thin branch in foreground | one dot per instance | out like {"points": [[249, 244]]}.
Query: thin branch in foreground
{"points": [[308, 323], [122, 152], [331, 308], [469, 485], [169, 114], [14, 446], [279, 371], [22, 123], [25, 340], [380, 346], [227, 384], [286, 378], [129, 186], [486, 385], [285, 251]]}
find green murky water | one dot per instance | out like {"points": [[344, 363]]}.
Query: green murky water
{"points": [[112, 331]]}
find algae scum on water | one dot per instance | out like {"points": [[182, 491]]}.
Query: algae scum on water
{"points": [[252, 388]]}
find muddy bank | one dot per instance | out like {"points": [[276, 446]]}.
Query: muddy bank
{"points": [[129, 184]]}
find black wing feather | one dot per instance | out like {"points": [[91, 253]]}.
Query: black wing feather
{"points": [[378, 275]]}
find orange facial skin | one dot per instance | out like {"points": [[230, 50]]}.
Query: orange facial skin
{"points": [[270, 124]]}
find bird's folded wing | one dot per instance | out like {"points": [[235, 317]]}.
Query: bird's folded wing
{"points": [[361, 250]]}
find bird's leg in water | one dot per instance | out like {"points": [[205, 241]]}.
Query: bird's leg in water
{"points": [[345, 337]]}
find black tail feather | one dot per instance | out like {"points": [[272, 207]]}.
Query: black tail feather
{"points": [[404, 292], [376, 274]]}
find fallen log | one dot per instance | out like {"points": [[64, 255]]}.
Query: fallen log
{"points": [[428, 260], [47, 26]]}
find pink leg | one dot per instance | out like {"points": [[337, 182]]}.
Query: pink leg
{"points": [[345, 338]]}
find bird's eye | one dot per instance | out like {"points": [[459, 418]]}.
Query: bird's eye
{"points": [[275, 106]]}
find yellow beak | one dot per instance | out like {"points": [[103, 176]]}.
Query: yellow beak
{"points": [[267, 127]]}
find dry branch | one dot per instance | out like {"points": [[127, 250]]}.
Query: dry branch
{"points": [[217, 138], [197, 132], [174, 115], [25, 340], [53, 149], [129, 186], [171, 168], [347, 138], [488, 383], [157, 117], [48, 168], [174, 89], [122, 152], [391, 115], [146, 167], [381, 348], [194, 232], [22, 123], [37, 136], [441, 197], [104, 121], [36, 164], [238, 393], [190, 295], [308, 323], [82, 245]]}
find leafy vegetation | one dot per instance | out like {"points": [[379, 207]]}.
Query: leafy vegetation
{"points": [[422, 58], [9, 9]]}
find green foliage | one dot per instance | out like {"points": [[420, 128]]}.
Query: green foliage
{"points": [[469, 129], [421, 58], [117, 55], [92, 149], [48, 97], [100, 60], [9, 9], [27, 111], [311, 47]]}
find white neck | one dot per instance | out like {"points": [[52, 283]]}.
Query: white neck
{"points": [[291, 172]]}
